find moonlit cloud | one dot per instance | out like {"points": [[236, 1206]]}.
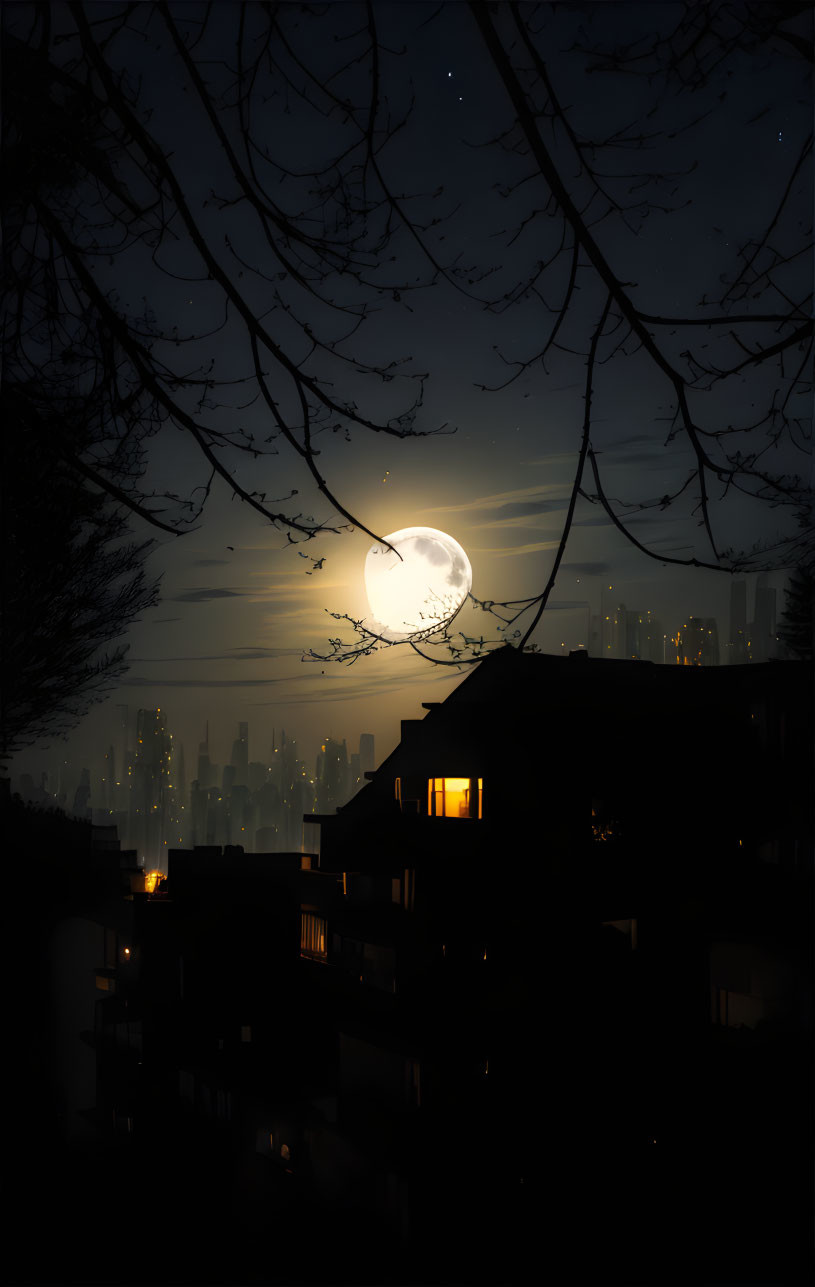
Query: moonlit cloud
{"points": [[587, 569], [565, 605], [141, 681], [230, 654], [534, 518], [361, 684], [204, 594], [513, 550], [597, 520], [539, 492]]}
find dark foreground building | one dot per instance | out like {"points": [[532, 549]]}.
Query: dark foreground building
{"points": [[536, 1005]]}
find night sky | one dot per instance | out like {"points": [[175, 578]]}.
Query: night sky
{"points": [[239, 603]]}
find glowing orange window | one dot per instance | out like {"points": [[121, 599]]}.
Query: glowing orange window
{"points": [[454, 797], [313, 936]]}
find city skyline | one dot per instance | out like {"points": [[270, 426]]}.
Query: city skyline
{"points": [[208, 809], [283, 1040], [408, 571], [498, 429], [145, 793]]}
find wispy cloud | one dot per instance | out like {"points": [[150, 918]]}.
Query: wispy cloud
{"points": [[653, 459], [513, 550], [598, 520], [359, 684], [230, 654], [315, 682], [203, 594], [588, 569], [515, 516], [518, 496], [141, 681]]}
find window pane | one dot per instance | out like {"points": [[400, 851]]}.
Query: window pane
{"points": [[313, 935], [454, 797]]}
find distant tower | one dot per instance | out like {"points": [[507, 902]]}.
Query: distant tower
{"points": [[240, 755], [367, 755], [593, 644], [737, 643], [205, 774], [697, 642], [634, 634], [653, 639], [109, 780], [124, 751], [762, 636], [355, 778], [82, 795], [151, 807], [612, 625], [332, 775]]}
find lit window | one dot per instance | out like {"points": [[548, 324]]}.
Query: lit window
{"points": [[313, 935], [454, 797]]}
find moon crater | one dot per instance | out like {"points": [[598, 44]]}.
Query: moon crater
{"points": [[415, 588]]}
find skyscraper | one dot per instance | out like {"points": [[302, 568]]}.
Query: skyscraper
{"points": [[652, 637], [737, 642], [612, 625], [367, 754], [205, 776], [82, 796], [240, 755], [762, 635], [150, 805], [109, 780], [697, 642]]}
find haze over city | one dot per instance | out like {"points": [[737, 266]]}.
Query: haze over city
{"points": [[408, 608], [284, 770]]}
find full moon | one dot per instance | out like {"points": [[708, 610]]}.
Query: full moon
{"points": [[418, 593]]}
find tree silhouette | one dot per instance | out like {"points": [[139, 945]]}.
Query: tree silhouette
{"points": [[72, 583], [92, 204], [796, 629], [317, 247], [299, 234], [757, 320]]}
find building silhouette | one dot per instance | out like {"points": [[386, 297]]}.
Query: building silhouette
{"points": [[240, 755], [152, 808], [697, 642], [530, 987], [737, 645], [762, 630]]}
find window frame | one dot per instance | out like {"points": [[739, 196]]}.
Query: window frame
{"points": [[434, 791]]}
